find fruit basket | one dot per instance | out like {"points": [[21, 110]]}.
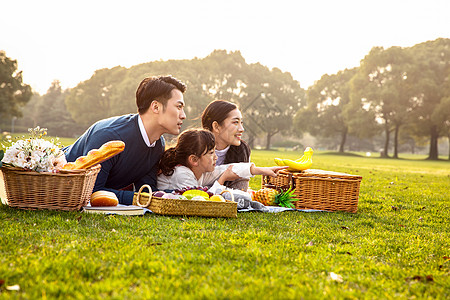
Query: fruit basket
{"points": [[181, 207], [319, 189], [63, 190]]}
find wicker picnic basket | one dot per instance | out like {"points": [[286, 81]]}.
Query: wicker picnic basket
{"points": [[179, 207], [64, 190], [319, 189]]}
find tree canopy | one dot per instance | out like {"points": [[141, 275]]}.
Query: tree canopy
{"points": [[402, 93], [220, 75], [325, 114], [14, 94]]}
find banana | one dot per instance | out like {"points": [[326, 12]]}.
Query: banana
{"points": [[303, 163], [278, 161], [295, 166]]}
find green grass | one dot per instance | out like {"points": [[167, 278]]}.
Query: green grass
{"points": [[398, 238]]}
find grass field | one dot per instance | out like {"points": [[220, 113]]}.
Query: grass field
{"points": [[396, 246]]}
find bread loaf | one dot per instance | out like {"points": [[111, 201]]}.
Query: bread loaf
{"points": [[104, 198], [96, 156]]}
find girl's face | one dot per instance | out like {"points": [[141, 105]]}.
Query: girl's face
{"points": [[230, 132], [207, 161]]}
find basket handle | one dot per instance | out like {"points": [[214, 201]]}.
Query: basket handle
{"points": [[283, 188], [292, 182], [227, 191], [138, 197]]}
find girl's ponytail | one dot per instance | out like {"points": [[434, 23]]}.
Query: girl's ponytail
{"points": [[168, 161], [190, 142]]}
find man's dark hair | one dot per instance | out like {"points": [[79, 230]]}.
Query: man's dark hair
{"points": [[157, 88]]}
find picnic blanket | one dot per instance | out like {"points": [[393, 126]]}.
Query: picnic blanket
{"points": [[246, 204]]}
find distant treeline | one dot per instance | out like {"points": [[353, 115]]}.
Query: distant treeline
{"points": [[396, 96]]}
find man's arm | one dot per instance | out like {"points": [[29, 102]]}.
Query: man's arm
{"points": [[95, 141], [125, 197]]}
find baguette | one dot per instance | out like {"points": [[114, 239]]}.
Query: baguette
{"points": [[104, 198], [96, 156]]}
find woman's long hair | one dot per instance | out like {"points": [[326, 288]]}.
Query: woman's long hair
{"points": [[218, 111], [190, 141]]}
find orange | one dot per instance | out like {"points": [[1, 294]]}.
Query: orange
{"points": [[217, 198]]}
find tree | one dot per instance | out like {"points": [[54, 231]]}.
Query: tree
{"points": [[97, 98], [325, 114], [53, 115], [269, 100], [431, 77], [29, 112], [383, 86], [14, 94], [441, 116]]}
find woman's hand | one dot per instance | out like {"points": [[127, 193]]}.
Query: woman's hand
{"points": [[269, 171], [228, 175]]}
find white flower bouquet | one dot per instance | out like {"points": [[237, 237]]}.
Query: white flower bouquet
{"points": [[35, 153]]}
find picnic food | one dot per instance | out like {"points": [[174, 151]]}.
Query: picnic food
{"points": [[271, 197], [217, 198], [104, 198], [200, 188], [190, 194], [96, 156], [156, 194], [303, 163]]}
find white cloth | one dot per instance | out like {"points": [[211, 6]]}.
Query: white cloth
{"points": [[184, 177], [144, 134], [221, 155]]}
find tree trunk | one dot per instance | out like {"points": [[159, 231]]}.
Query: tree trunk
{"points": [[448, 146], [251, 141], [434, 135], [397, 129], [386, 141], [269, 137], [343, 139]]}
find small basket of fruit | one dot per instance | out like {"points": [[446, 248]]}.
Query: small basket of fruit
{"points": [[188, 202]]}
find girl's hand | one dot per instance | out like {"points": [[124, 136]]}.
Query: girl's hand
{"points": [[268, 171], [228, 175]]}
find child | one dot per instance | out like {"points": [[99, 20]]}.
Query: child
{"points": [[192, 162]]}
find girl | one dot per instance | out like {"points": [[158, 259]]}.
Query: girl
{"points": [[192, 162], [224, 120]]}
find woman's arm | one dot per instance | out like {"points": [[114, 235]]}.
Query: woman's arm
{"points": [[269, 171], [227, 172]]}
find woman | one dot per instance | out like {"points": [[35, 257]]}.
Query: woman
{"points": [[224, 120]]}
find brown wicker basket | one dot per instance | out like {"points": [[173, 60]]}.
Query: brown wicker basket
{"points": [[179, 207], [65, 190], [319, 189]]}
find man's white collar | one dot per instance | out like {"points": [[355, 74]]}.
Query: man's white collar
{"points": [[144, 133]]}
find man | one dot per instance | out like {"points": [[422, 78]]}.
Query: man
{"points": [[160, 106]]}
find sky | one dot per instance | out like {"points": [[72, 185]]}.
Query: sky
{"points": [[68, 40]]}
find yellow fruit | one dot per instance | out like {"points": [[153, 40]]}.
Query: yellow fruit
{"points": [[305, 162], [266, 196], [271, 197], [217, 198], [279, 161], [193, 193]]}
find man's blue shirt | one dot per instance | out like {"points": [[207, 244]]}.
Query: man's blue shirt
{"points": [[137, 164]]}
